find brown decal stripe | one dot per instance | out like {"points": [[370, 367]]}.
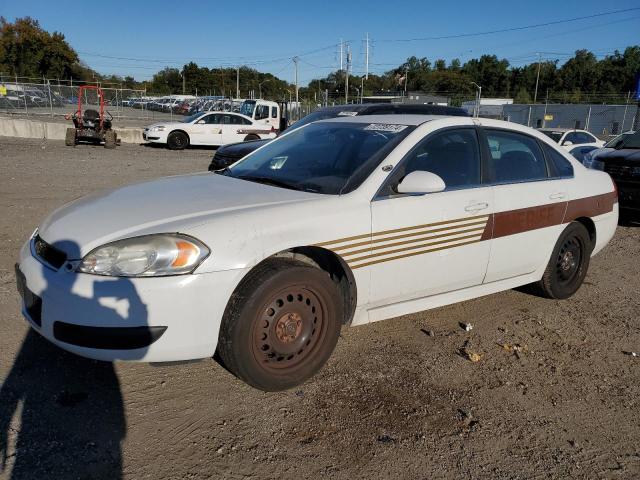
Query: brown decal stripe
{"points": [[590, 206], [525, 219]]}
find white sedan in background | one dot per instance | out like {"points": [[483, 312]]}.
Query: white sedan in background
{"points": [[341, 222], [568, 138], [207, 128]]}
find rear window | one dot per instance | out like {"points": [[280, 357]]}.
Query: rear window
{"points": [[558, 165]]}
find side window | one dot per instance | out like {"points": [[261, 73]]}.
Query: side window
{"points": [[560, 166], [584, 138], [213, 120], [515, 157], [454, 155], [244, 121], [232, 120], [274, 112], [262, 112], [571, 137]]}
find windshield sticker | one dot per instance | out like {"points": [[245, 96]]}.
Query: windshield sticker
{"points": [[347, 114], [385, 127]]}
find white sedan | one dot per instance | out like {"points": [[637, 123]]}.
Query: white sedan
{"points": [[207, 128], [341, 222], [568, 138]]}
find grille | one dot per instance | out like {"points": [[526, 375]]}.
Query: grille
{"points": [[622, 171], [48, 253], [225, 160]]}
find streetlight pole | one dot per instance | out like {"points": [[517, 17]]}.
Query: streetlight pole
{"points": [[535, 94], [260, 86], [476, 112], [295, 61]]}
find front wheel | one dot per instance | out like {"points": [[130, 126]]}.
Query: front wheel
{"points": [[281, 325], [568, 265], [177, 141]]}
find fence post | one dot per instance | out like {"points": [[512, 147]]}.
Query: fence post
{"points": [[50, 102], [624, 117], [529, 117], [586, 125]]}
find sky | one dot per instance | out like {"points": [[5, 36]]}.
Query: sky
{"points": [[140, 38]]}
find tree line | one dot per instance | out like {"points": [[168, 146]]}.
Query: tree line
{"points": [[27, 50]]}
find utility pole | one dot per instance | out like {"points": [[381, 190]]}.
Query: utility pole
{"points": [[295, 62], [346, 75], [535, 94], [406, 79], [340, 55], [366, 58], [237, 82], [183, 83]]}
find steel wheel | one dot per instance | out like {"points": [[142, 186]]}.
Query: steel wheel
{"points": [[281, 324], [288, 329], [569, 260]]}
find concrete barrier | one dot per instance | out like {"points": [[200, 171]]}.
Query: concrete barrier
{"points": [[10, 127]]}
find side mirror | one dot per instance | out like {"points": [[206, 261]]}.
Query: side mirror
{"points": [[568, 143], [419, 182]]}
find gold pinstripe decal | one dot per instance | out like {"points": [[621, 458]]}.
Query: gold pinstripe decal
{"points": [[414, 240], [413, 247], [396, 230], [407, 235], [353, 267]]}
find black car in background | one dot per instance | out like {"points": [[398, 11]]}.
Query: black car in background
{"points": [[229, 154], [622, 162]]}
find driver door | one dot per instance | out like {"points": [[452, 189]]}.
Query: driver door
{"points": [[427, 244]]}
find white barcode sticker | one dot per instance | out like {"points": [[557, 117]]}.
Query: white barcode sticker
{"points": [[385, 127]]}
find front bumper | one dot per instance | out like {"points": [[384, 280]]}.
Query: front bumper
{"points": [[143, 319], [157, 137]]}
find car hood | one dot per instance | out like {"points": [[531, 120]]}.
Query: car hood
{"points": [[242, 148], [166, 124], [622, 155], [171, 204]]}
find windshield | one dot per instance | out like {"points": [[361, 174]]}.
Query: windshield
{"points": [[192, 118], [247, 108], [321, 115], [328, 157], [626, 140], [555, 136]]}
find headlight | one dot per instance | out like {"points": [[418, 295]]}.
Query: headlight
{"points": [[158, 129], [146, 256]]}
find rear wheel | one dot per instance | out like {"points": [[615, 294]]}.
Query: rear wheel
{"points": [[70, 137], [568, 264], [177, 141], [281, 325], [251, 136], [110, 139]]}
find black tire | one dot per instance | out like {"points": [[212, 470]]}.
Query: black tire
{"points": [[568, 265], [70, 137], [110, 139], [251, 136], [281, 325], [177, 141]]}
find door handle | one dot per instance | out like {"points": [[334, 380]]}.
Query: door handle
{"points": [[474, 207], [557, 196]]}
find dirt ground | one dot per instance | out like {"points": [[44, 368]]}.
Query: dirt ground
{"points": [[396, 400]]}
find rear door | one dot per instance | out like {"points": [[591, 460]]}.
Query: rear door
{"points": [[234, 128], [530, 203]]}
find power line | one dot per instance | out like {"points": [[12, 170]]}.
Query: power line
{"points": [[511, 29]]}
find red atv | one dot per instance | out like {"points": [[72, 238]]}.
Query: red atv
{"points": [[91, 125]]}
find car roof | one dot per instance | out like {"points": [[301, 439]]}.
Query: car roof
{"points": [[398, 108], [398, 119], [561, 130]]}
